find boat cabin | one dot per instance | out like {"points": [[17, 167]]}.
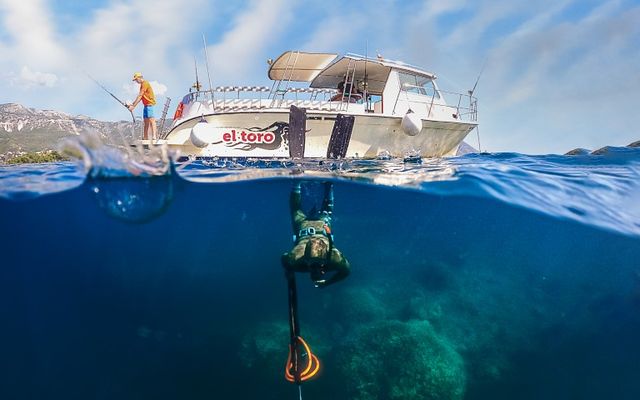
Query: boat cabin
{"points": [[378, 85]]}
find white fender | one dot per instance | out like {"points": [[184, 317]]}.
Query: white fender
{"points": [[411, 123], [201, 135]]}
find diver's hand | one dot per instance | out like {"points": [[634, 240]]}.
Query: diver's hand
{"points": [[320, 284], [328, 187]]}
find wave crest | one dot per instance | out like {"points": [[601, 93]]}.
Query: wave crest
{"points": [[106, 161]]}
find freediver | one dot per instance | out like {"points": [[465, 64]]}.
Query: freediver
{"points": [[314, 251]]}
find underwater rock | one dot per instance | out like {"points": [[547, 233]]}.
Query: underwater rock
{"points": [[356, 305], [424, 308], [266, 346], [401, 360]]}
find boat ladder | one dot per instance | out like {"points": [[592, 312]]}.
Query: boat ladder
{"points": [[349, 80], [277, 91], [165, 109]]}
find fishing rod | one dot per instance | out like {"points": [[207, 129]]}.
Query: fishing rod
{"points": [[366, 78], [197, 85], [471, 101], [475, 85], [114, 96], [206, 59]]}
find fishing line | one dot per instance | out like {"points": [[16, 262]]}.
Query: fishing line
{"points": [[133, 127], [114, 96]]}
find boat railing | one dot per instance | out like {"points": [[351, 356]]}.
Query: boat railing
{"points": [[466, 105], [460, 106], [225, 98]]}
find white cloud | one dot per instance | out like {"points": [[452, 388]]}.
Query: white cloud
{"points": [[332, 33], [29, 79], [242, 48], [132, 88], [478, 24], [552, 82], [435, 8], [28, 24], [607, 9], [158, 88]]}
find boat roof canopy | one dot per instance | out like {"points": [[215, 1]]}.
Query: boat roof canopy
{"points": [[323, 71], [375, 71], [299, 66]]}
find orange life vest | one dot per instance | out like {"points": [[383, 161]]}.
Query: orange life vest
{"points": [[179, 110]]}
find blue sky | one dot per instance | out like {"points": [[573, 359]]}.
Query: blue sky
{"points": [[557, 74]]}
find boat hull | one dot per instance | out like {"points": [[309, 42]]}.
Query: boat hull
{"points": [[266, 135]]}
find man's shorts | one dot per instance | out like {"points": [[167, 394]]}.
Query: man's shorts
{"points": [[147, 112]]}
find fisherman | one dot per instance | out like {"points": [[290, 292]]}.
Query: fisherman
{"points": [[314, 251], [149, 100], [350, 94]]}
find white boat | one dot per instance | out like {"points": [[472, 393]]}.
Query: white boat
{"points": [[383, 108]]}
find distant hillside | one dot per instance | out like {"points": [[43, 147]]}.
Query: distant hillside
{"points": [[465, 148], [25, 129]]}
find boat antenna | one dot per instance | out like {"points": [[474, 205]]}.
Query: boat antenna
{"points": [[475, 85], [113, 95], [471, 101], [206, 60], [197, 85]]}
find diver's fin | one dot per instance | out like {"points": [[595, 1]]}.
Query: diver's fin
{"points": [[340, 136], [297, 130]]}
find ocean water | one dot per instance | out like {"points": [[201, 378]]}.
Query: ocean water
{"points": [[491, 276]]}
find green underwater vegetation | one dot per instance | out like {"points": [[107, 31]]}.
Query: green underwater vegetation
{"points": [[437, 332], [367, 347], [402, 360]]}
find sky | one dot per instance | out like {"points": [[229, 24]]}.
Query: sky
{"points": [[556, 74]]}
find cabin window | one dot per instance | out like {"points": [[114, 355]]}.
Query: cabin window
{"points": [[418, 84]]}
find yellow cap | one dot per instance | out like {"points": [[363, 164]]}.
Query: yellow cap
{"points": [[137, 75]]}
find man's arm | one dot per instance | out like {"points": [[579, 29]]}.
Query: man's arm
{"points": [[327, 202], [137, 100], [340, 265], [343, 269], [295, 207]]}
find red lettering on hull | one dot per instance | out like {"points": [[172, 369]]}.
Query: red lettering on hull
{"points": [[248, 137]]}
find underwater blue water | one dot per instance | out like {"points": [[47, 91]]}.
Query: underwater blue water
{"points": [[486, 276]]}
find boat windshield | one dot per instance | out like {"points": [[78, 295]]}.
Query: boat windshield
{"points": [[422, 85]]}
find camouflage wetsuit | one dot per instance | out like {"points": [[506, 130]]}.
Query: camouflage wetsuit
{"points": [[314, 251]]}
